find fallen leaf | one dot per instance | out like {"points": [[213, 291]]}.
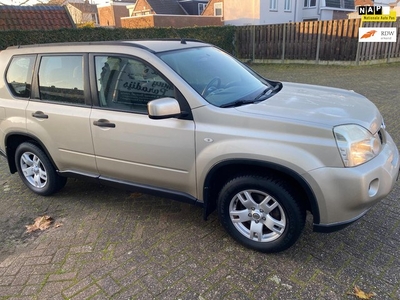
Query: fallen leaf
{"points": [[361, 294], [41, 223], [56, 225], [135, 195]]}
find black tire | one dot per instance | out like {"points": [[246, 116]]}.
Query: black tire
{"points": [[36, 170], [249, 206]]}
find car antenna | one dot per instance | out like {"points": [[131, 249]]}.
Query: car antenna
{"points": [[183, 41]]}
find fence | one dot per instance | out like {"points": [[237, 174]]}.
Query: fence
{"points": [[315, 41]]}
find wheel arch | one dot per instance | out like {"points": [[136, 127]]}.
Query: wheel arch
{"points": [[229, 169], [13, 140]]}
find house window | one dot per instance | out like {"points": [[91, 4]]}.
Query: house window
{"points": [[288, 5], [310, 3], [273, 4], [201, 7], [340, 4], [218, 9]]}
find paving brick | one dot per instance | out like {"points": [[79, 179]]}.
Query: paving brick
{"points": [[36, 279], [6, 280], [10, 290], [109, 286], [60, 255], [31, 290], [81, 285], [34, 253], [87, 293], [14, 267], [21, 279], [62, 277], [51, 290], [7, 262], [42, 260]]}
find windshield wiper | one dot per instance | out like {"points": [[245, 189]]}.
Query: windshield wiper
{"points": [[237, 103], [268, 91], [265, 93]]}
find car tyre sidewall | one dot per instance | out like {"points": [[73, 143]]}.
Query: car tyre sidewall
{"points": [[281, 192], [54, 181]]}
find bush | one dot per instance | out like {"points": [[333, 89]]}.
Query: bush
{"points": [[221, 36]]}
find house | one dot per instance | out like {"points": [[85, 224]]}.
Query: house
{"points": [[110, 14], [168, 13], [162, 7], [83, 12], [193, 7], [34, 18], [259, 12], [214, 8]]}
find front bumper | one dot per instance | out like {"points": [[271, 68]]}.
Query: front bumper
{"points": [[346, 194]]}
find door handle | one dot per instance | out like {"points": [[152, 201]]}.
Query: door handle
{"points": [[40, 115], [103, 123]]}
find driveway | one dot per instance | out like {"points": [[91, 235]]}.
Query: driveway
{"points": [[112, 244]]}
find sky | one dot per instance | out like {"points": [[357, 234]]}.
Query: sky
{"points": [[33, 2]]}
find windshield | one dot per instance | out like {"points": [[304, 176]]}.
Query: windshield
{"points": [[216, 76]]}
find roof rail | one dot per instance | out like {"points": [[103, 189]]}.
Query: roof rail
{"points": [[119, 42]]}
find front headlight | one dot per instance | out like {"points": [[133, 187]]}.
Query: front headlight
{"points": [[356, 144]]}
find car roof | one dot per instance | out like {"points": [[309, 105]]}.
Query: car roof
{"points": [[154, 45]]}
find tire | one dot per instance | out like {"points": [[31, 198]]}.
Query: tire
{"points": [[261, 213], [36, 170]]}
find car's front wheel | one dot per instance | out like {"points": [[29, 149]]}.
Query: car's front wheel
{"points": [[36, 170], [261, 213]]}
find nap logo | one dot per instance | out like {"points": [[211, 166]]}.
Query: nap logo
{"points": [[379, 34], [377, 14], [369, 10]]}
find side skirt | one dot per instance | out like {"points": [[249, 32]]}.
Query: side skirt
{"points": [[137, 187]]}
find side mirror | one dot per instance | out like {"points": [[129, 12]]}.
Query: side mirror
{"points": [[163, 108]]}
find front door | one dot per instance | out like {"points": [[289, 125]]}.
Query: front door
{"points": [[129, 146]]}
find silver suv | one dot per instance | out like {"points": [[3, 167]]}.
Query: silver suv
{"points": [[184, 120]]}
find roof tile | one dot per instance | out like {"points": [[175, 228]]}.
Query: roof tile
{"points": [[167, 7], [34, 18]]}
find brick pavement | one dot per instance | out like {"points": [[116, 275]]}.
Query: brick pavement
{"points": [[117, 245]]}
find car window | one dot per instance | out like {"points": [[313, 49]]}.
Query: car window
{"points": [[19, 75], [128, 84], [61, 79]]}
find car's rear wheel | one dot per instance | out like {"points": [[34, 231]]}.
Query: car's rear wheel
{"points": [[36, 170], [261, 213]]}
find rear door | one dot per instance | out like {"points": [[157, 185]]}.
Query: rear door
{"points": [[14, 95], [58, 113]]}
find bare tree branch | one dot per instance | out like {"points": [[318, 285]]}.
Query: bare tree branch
{"points": [[24, 2]]}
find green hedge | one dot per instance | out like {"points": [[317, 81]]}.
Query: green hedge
{"points": [[222, 36]]}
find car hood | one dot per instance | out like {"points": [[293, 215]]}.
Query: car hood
{"points": [[317, 104]]}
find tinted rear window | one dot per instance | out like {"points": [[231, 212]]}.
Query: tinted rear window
{"points": [[19, 75]]}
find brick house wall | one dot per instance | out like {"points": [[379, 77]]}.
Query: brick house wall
{"points": [[111, 14], [209, 11], [106, 16], [142, 5]]}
